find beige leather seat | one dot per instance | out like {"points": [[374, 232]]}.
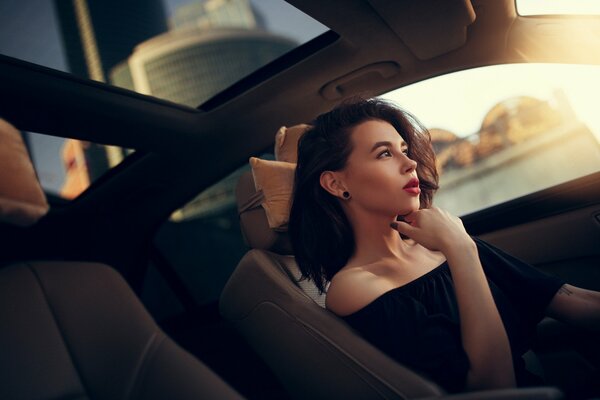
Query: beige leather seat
{"points": [[315, 354], [77, 331]]}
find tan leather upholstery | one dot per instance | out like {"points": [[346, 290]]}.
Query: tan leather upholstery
{"points": [[315, 354], [22, 201], [77, 331], [253, 220]]}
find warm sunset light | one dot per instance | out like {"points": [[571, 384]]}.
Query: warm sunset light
{"points": [[443, 102], [517, 123], [558, 7]]}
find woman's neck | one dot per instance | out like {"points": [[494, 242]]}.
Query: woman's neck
{"points": [[375, 240]]}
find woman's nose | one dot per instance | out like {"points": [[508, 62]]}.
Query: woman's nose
{"points": [[408, 165]]}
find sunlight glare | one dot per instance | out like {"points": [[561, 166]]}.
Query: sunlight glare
{"points": [[458, 102], [558, 7]]}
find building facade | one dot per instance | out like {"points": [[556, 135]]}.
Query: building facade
{"points": [[524, 145], [211, 45]]}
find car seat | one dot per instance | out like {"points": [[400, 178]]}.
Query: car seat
{"points": [[315, 354], [75, 330]]}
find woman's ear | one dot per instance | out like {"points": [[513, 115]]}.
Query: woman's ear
{"points": [[330, 182]]}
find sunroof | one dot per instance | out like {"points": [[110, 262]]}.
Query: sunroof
{"points": [[176, 50], [558, 7]]}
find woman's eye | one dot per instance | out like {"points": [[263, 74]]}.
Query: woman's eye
{"points": [[405, 152], [387, 153]]}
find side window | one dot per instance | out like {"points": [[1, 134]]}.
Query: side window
{"points": [[506, 131], [67, 167], [203, 242]]}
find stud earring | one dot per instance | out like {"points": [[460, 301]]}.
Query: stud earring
{"points": [[346, 195]]}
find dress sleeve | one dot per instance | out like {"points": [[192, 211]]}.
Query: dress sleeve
{"points": [[529, 289], [430, 344]]}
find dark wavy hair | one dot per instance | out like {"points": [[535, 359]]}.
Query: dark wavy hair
{"points": [[320, 233]]}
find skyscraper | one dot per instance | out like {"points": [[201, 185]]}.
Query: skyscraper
{"points": [[211, 45], [99, 34], [189, 66], [96, 36]]}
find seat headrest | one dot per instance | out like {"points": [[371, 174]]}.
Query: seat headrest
{"points": [[253, 219], [22, 200], [264, 195]]}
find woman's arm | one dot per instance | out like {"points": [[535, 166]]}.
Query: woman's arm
{"points": [[576, 306], [483, 335]]}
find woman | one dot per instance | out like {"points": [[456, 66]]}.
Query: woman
{"points": [[405, 274]]}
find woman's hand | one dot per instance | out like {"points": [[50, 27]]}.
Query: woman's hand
{"points": [[433, 228]]}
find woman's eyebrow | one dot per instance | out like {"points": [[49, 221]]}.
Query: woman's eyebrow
{"points": [[386, 143]]}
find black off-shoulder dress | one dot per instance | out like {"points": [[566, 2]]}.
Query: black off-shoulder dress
{"points": [[418, 323]]}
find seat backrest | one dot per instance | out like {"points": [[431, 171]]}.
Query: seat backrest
{"points": [[77, 331], [314, 353]]}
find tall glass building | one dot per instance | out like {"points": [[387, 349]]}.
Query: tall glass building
{"points": [[189, 66], [99, 34], [212, 45], [215, 14]]}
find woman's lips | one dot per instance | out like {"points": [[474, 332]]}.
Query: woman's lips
{"points": [[412, 187]]}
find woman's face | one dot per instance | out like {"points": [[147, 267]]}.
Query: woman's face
{"points": [[379, 175]]}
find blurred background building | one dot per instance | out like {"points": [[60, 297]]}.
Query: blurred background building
{"points": [[200, 56], [522, 146], [97, 35]]}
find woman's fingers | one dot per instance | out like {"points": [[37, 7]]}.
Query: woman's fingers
{"points": [[403, 227], [433, 228], [410, 217]]}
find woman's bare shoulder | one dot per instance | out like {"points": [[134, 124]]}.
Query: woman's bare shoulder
{"points": [[353, 288]]}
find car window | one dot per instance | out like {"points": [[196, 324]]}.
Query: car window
{"points": [[203, 234], [182, 51], [505, 131], [66, 167], [558, 7]]}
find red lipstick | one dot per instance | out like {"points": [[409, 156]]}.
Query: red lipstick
{"points": [[412, 187]]}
